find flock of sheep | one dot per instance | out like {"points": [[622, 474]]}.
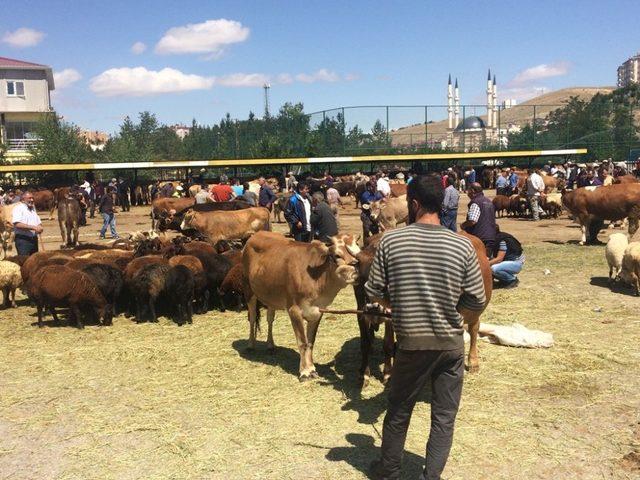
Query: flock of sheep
{"points": [[133, 277]]}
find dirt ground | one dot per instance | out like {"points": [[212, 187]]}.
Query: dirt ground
{"points": [[161, 401]]}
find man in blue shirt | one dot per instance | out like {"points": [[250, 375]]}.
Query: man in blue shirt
{"points": [[370, 194], [449, 213], [513, 182], [502, 183]]}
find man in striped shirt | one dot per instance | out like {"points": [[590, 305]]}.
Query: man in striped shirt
{"points": [[425, 273]]}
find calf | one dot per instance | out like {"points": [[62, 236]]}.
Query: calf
{"points": [[390, 212], [501, 204], [306, 278]]}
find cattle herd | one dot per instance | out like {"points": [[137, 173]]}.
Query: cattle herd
{"points": [[226, 256]]}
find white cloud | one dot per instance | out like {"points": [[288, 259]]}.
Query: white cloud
{"points": [[23, 37], [522, 94], [540, 72], [137, 82], [322, 75], [284, 78], [66, 77], [210, 38], [350, 77], [138, 48], [242, 80]]}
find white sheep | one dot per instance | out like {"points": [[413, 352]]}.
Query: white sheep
{"points": [[10, 280], [614, 252], [630, 272]]}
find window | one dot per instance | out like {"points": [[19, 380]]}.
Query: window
{"points": [[15, 89]]}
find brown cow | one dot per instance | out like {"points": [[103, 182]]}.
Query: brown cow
{"points": [[44, 200], [164, 206], [305, 278], [227, 225], [625, 179], [390, 212], [592, 207], [367, 322], [398, 189], [501, 203], [69, 216]]}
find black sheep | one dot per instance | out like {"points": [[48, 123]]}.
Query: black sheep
{"points": [[179, 291], [216, 267], [108, 279], [147, 286]]}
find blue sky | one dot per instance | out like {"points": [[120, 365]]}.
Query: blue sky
{"points": [[325, 54]]}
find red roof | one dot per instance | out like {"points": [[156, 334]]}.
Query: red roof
{"points": [[10, 62]]}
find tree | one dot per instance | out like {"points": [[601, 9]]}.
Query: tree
{"points": [[58, 142]]}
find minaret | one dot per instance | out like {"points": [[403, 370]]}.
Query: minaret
{"points": [[494, 95], [450, 103], [489, 100], [456, 99]]}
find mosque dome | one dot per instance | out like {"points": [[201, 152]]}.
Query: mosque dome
{"points": [[471, 123]]}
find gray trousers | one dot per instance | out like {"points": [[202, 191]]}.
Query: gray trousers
{"points": [[444, 369], [534, 206]]}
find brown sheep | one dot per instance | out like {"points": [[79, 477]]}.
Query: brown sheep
{"points": [[232, 287], [36, 261], [146, 287], [201, 292], [137, 264], [234, 255], [59, 286], [501, 203]]}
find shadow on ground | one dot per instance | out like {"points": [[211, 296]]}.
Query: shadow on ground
{"points": [[363, 452], [615, 287]]}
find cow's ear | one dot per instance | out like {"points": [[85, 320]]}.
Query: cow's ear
{"points": [[318, 255]]}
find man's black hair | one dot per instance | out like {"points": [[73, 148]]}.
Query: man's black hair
{"points": [[301, 185], [427, 191]]}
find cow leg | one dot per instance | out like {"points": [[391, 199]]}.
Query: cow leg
{"points": [[312, 330], [473, 321], [633, 221], [75, 235], [583, 228], [297, 322], [366, 338], [271, 316], [252, 308], [388, 347], [63, 231]]}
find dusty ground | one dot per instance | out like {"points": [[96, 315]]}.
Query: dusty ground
{"points": [[160, 401]]}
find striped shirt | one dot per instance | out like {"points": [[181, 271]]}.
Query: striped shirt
{"points": [[427, 273]]}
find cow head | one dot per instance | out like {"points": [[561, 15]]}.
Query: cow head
{"points": [[188, 219], [346, 248], [376, 209]]}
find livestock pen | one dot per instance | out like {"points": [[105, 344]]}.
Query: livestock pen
{"points": [[162, 401]]}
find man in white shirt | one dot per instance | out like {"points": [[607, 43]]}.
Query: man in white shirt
{"points": [[27, 225], [382, 185], [535, 188]]}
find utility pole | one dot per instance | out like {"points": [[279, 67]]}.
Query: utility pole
{"points": [[267, 108]]}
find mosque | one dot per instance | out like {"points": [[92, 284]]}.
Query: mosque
{"points": [[472, 132]]}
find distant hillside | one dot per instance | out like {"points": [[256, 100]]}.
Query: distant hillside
{"points": [[519, 115]]}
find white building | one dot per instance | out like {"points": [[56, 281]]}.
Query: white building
{"points": [[629, 72], [25, 96]]}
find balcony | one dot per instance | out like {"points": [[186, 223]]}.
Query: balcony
{"points": [[21, 143]]}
